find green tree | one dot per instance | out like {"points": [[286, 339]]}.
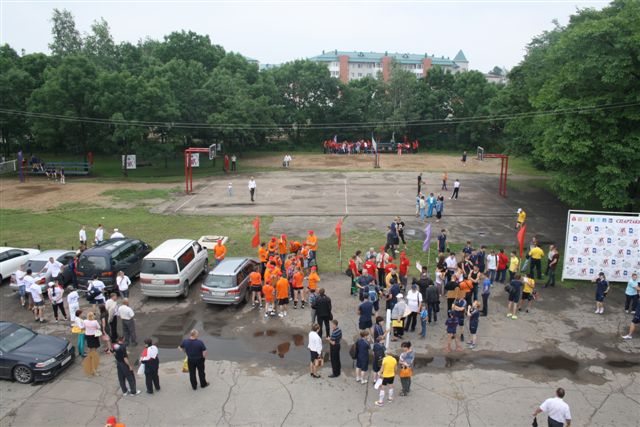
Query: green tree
{"points": [[99, 45], [189, 46], [66, 38]]}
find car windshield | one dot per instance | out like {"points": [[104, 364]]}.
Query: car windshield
{"points": [[36, 266], [14, 338], [217, 281], [92, 263], [159, 266]]}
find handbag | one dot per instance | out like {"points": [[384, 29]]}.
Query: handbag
{"points": [[141, 369], [76, 329], [406, 372], [185, 365], [98, 333], [396, 323]]}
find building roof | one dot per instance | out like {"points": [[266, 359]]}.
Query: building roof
{"points": [[402, 58], [460, 57]]}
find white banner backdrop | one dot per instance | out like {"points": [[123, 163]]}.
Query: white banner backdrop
{"points": [[195, 160], [131, 161], [602, 241]]}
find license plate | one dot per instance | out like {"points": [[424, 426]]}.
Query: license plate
{"points": [[218, 294], [157, 282], [65, 361]]}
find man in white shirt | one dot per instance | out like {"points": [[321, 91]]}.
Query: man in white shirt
{"points": [[36, 295], [123, 283], [82, 235], [252, 188], [117, 234], [52, 267], [125, 313], [99, 234], [456, 190], [234, 159], [20, 273], [112, 309], [73, 300], [452, 264], [556, 409], [98, 284]]}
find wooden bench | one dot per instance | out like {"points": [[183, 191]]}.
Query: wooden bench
{"points": [[70, 168]]}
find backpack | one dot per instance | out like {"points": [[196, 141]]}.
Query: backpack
{"points": [[93, 293], [373, 295], [352, 351]]}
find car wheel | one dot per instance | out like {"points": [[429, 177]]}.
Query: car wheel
{"points": [[205, 269], [185, 291], [23, 374]]}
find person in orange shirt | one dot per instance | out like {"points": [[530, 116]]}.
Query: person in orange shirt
{"points": [[255, 281], [275, 260], [272, 247], [312, 244], [466, 286], [268, 272], [263, 255], [294, 246], [445, 177], [219, 251], [313, 279], [282, 293], [298, 277], [268, 291], [282, 247]]}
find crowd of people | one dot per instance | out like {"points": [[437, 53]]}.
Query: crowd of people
{"points": [[365, 146]]}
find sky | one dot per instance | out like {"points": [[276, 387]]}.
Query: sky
{"points": [[490, 33]]}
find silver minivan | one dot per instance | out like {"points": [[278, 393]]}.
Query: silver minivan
{"points": [[171, 268], [228, 283]]}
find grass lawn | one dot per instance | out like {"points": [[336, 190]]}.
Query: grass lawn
{"points": [[58, 228], [127, 195]]}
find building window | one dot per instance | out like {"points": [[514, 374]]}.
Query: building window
{"points": [[359, 74]]}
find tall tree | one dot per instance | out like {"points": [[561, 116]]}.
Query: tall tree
{"points": [[66, 38]]}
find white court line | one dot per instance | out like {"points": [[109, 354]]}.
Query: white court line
{"points": [[346, 202], [185, 202]]}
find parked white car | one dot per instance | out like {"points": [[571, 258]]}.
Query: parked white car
{"points": [[12, 258], [208, 242], [171, 268]]}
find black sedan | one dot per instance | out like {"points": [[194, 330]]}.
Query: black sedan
{"points": [[27, 356]]}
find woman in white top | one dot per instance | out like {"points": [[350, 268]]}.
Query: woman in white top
{"points": [[414, 301], [92, 332], [440, 278], [123, 283], [315, 349], [492, 265], [56, 294]]}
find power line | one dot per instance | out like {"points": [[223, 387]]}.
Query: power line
{"points": [[322, 126]]}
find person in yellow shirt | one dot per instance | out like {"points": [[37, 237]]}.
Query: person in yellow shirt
{"points": [[219, 251], [527, 292], [522, 216], [535, 254], [388, 374], [514, 264]]}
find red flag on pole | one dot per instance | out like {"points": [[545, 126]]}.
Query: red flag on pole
{"points": [[256, 237], [521, 234], [339, 232]]}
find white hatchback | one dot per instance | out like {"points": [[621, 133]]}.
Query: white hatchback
{"points": [[12, 258]]}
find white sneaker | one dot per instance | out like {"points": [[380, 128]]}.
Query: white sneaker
{"points": [[280, 315], [597, 311], [364, 381], [627, 337], [357, 379]]}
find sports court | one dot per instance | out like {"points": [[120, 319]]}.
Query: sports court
{"points": [[369, 200]]}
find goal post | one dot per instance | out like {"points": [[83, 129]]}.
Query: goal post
{"points": [[8, 167]]}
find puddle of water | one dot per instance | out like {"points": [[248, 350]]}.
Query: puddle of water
{"points": [[624, 364], [557, 362]]}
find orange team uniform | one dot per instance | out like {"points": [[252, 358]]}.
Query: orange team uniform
{"points": [[263, 255], [466, 286], [267, 275], [272, 246], [255, 279], [312, 242], [313, 280], [297, 279], [287, 264], [282, 288], [282, 246], [220, 251], [277, 261], [268, 290], [294, 247]]}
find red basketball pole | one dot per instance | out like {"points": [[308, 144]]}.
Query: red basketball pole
{"points": [[504, 171], [188, 169]]}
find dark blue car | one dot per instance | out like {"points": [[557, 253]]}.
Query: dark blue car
{"points": [[27, 356]]}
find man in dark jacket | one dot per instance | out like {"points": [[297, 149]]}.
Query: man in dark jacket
{"points": [[322, 307], [433, 302]]}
